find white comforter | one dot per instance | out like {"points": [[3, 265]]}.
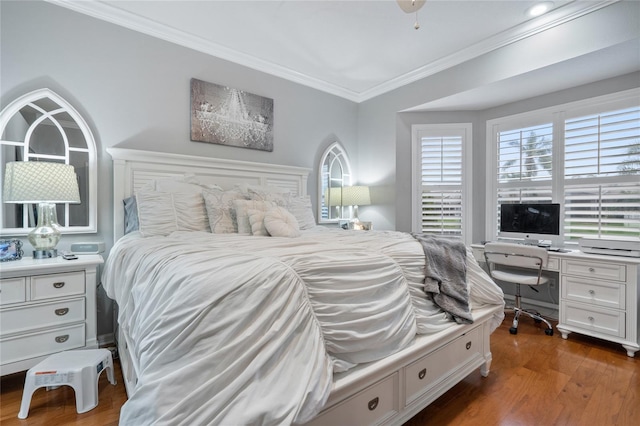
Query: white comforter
{"points": [[230, 329]]}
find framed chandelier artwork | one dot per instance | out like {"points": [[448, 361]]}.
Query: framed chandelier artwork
{"points": [[228, 116]]}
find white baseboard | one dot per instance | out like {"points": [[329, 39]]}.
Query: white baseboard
{"points": [[547, 310]]}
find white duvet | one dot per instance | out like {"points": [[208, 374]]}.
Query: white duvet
{"points": [[231, 329]]}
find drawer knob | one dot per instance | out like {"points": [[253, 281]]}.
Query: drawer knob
{"points": [[373, 404], [59, 284], [62, 311], [468, 346], [62, 339], [591, 319], [592, 292], [592, 270], [422, 373]]}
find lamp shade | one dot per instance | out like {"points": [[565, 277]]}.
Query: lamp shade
{"points": [[333, 196], [36, 182], [356, 196]]}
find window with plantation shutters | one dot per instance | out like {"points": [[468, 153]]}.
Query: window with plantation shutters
{"points": [[441, 196], [584, 155], [602, 174]]}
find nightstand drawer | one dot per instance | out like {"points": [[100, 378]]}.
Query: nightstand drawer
{"points": [[44, 343], [57, 285], [601, 293], [25, 318], [13, 290], [589, 318], [605, 271]]}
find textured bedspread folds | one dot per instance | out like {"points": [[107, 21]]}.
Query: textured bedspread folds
{"points": [[230, 329]]}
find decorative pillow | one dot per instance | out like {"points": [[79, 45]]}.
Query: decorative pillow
{"points": [[242, 215], [161, 213], [131, 222], [275, 195], [301, 208], [256, 218], [280, 223], [221, 211]]}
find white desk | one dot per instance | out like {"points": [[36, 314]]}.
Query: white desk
{"points": [[598, 295]]}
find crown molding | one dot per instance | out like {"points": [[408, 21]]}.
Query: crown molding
{"points": [[530, 28], [108, 13]]}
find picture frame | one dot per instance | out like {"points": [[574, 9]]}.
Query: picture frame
{"points": [[344, 224], [229, 116], [362, 226], [354, 226], [10, 250]]}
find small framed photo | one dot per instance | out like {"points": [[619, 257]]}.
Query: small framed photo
{"points": [[10, 250], [344, 224], [362, 226]]}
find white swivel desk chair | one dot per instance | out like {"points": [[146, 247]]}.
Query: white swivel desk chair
{"points": [[525, 265]]}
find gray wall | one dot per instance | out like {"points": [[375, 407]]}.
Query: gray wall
{"points": [[384, 133], [133, 90]]}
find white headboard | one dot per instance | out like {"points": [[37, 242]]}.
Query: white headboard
{"points": [[134, 168]]}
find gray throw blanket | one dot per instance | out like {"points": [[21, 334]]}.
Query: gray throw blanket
{"points": [[446, 275]]}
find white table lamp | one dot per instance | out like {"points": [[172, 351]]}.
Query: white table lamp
{"points": [[30, 182], [356, 196]]}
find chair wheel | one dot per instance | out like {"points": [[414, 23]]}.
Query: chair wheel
{"points": [[514, 330], [549, 332]]}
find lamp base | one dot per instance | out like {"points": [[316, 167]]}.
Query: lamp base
{"points": [[45, 254]]}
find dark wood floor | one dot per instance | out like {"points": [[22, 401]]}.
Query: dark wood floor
{"points": [[535, 380]]}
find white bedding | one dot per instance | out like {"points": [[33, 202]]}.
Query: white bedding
{"points": [[232, 329]]}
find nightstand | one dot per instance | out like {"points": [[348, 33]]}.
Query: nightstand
{"points": [[46, 306]]}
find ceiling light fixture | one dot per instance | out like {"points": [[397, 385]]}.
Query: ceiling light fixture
{"points": [[411, 6], [539, 9]]}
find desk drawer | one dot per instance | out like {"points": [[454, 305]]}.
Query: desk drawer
{"points": [[553, 264], [43, 343], [595, 270], [590, 318], [372, 406], [25, 318], [600, 293], [425, 373], [57, 285], [13, 290]]}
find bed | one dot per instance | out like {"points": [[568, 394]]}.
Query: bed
{"points": [[234, 307]]}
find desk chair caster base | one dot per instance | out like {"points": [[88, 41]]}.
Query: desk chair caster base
{"points": [[537, 318]]}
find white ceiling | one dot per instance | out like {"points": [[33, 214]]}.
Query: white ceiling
{"points": [[361, 49]]}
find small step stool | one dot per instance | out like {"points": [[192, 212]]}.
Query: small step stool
{"points": [[79, 369]]}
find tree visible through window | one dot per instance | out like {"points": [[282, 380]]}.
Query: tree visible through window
{"points": [[592, 168]]}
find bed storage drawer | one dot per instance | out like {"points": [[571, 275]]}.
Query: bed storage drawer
{"points": [[425, 373], [371, 406]]}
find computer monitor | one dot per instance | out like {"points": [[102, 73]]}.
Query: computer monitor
{"points": [[531, 222]]}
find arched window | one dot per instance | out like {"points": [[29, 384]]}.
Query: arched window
{"points": [[334, 172], [41, 126]]}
